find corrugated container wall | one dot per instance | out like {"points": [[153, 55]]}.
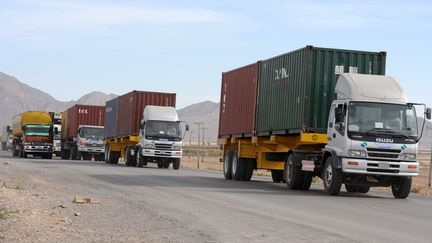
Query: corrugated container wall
{"points": [[238, 101], [81, 115], [111, 116], [131, 107], [296, 89]]}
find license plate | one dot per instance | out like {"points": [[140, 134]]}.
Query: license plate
{"points": [[383, 165]]}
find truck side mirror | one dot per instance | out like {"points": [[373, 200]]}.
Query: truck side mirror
{"points": [[428, 113], [56, 130], [187, 127], [141, 126]]}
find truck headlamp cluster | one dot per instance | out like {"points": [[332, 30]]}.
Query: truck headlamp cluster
{"points": [[176, 147], [149, 146], [407, 156], [357, 153]]}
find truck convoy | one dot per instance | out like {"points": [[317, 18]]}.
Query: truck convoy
{"points": [[143, 127], [56, 121], [32, 134], [318, 112], [82, 133]]}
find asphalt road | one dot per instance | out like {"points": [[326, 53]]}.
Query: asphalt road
{"points": [[201, 206]]}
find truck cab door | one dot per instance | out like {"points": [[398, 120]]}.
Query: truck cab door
{"points": [[336, 131]]}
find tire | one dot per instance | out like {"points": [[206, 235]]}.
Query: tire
{"points": [[128, 157], [78, 154], [401, 187], [238, 167], [141, 160], [115, 157], [160, 165], [250, 167], [351, 188], [166, 165], [24, 154], [332, 178], [176, 164], [364, 189], [292, 174], [227, 165], [307, 181], [49, 156], [277, 176], [72, 153], [87, 157]]}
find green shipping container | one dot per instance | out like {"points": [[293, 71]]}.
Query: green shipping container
{"points": [[296, 89]]}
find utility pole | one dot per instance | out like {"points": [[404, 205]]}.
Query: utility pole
{"points": [[203, 145], [198, 145]]}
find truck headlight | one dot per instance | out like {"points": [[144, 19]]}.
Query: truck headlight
{"points": [[357, 153], [407, 156], [176, 147], [149, 146]]}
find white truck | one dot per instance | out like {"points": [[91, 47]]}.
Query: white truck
{"points": [[372, 136], [160, 137]]}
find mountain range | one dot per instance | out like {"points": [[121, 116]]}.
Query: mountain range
{"points": [[17, 97]]}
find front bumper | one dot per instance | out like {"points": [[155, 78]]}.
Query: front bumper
{"points": [[92, 150], [38, 148], [162, 153], [376, 167]]}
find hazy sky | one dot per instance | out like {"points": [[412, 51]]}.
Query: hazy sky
{"points": [[70, 48]]}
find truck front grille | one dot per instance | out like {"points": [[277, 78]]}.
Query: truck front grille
{"points": [[162, 146], [383, 153]]}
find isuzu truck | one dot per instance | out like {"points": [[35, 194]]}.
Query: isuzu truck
{"points": [[143, 127], [319, 112]]}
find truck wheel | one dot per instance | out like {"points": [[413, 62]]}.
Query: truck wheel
{"points": [[351, 188], [141, 160], [115, 157], [277, 175], [238, 167], [227, 166], [307, 181], [292, 174], [72, 153], [78, 154], [166, 165], [401, 187], [364, 189], [160, 165], [128, 157], [24, 154], [176, 164], [332, 178], [49, 156], [250, 166]]}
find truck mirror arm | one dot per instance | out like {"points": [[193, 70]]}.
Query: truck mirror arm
{"points": [[426, 115]]}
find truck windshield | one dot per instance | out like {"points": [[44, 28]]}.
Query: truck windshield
{"points": [[37, 130], [162, 129], [92, 132], [368, 117]]}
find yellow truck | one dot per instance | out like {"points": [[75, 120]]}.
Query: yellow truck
{"points": [[32, 134]]}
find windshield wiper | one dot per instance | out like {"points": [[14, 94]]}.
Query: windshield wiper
{"points": [[386, 131]]}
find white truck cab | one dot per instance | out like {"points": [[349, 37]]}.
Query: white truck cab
{"points": [[160, 137], [372, 136], [90, 142]]}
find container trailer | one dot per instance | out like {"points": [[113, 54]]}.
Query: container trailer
{"points": [[320, 112]]}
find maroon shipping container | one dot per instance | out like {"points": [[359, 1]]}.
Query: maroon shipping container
{"points": [[81, 115], [238, 101], [131, 107]]}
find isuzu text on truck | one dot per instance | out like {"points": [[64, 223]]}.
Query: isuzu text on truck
{"points": [[32, 134], [320, 112], [143, 127]]}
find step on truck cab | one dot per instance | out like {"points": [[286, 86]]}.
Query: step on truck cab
{"points": [[32, 134], [83, 133], [320, 112]]}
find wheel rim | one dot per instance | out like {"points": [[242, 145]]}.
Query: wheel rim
{"points": [[234, 165], [289, 171], [328, 175]]}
